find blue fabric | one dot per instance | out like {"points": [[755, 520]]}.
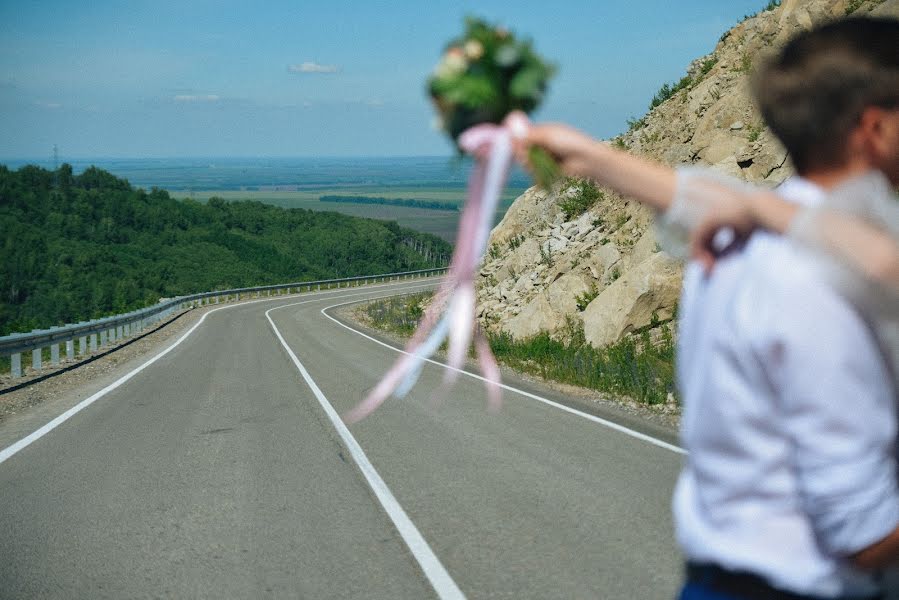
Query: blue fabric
{"points": [[697, 591]]}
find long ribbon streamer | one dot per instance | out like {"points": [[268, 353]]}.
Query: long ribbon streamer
{"points": [[451, 314]]}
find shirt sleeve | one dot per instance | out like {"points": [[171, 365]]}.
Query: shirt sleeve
{"points": [[838, 408], [697, 189]]}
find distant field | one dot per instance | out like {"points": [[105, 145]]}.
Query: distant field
{"points": [[440, 223]]}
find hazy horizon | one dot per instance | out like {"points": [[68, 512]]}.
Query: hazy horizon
{"points": [[282, 173]]}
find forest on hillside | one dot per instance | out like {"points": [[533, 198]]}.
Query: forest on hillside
{"points": [[77, 247]]}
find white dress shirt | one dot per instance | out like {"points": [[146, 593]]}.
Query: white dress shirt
{"points": [[789, 419]]}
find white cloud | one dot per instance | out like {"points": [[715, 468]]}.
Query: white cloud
{"points": [[312, 67], [196, 98], [49, 105]]}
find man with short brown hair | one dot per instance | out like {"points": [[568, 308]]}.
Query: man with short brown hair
{"points": [[790, 489]]}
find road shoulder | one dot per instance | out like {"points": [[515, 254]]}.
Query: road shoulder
{"points": [[658, 422]]}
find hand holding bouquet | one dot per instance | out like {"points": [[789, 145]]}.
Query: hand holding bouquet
{"points": [[484, 77]]}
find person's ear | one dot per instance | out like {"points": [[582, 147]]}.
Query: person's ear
{"points": [[879, 130]]}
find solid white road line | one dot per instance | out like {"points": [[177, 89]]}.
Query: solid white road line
{"points": [[23, 443], [568, 409], [433, 569]]}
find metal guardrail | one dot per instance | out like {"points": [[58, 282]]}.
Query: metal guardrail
{"points": [[99, 333]]}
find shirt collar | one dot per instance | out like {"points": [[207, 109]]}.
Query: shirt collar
{"points": [[801, 191]]}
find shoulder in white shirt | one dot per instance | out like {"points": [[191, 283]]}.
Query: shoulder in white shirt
{"points": [[789, 418]]}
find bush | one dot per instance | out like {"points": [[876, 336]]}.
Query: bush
{"points": [[707, 65], [398, 314], [666, 91], [634, 123], [583, 300], [585, 195], [755, 131]]}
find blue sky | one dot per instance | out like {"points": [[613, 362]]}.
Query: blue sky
{"points": [[219, 78]]}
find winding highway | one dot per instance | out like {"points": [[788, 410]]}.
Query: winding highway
{"points": [[222, 470]]}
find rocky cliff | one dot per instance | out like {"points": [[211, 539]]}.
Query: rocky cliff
{"points": [[551, 266]]}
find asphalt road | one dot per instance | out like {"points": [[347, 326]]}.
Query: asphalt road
{"points": [[217, 472]]}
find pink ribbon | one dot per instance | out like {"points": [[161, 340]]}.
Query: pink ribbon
{"points": [[451, 314]]}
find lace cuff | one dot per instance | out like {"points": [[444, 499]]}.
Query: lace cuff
{"points": [[696, 191]]}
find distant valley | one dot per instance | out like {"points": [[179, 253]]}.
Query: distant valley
{"points": [[301, 182]]}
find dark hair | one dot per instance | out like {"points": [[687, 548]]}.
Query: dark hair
{"points": [[813, 93]]}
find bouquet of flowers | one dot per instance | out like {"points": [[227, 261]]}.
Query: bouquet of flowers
{"points": [[483, 77]]}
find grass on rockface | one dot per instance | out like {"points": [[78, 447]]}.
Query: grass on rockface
{"points": [[585, 195], [633, 367], [686, 82], [854, 5]]}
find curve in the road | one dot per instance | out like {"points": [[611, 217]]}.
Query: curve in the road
{"points": [[438, 576], [23, 443], [509, 388]]}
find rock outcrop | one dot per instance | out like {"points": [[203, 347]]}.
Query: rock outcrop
{"points": [[602, 269]]}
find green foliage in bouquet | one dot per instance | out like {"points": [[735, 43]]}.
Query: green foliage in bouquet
{"points": [[485, 75]]}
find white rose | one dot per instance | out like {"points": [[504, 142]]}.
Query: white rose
{"points": [[474, 49], [455, 61]]}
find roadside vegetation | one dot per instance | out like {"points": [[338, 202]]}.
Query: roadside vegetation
{"points": [[637, 367], [83, 246]]}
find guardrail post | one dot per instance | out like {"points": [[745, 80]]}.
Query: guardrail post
{"points": [[102, 338], [93, 343], [36, 359], [70, 349], [82, 345], [54, 354], [15, 364], [120, 332]]}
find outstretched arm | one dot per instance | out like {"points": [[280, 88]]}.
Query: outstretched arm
{"points": [[870, 251], [580, 155]]}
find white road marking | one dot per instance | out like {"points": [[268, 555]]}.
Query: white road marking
{"points": [[23, 443], [433, 569], [568, 409]]}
